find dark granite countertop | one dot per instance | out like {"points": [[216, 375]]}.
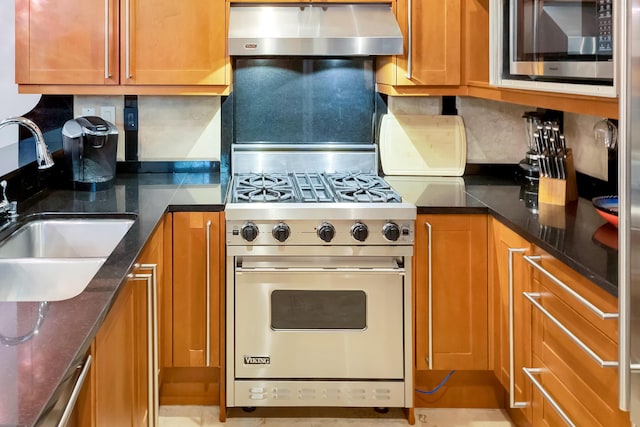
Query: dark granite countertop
{"points": [[575, 234], [30, 373]]}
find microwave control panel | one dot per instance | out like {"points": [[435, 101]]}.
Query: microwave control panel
{"points": [[605, 27]]}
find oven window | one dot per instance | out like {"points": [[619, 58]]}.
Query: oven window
{"points": [[298, 309]]}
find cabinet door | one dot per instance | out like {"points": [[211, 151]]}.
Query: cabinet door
{"points": [[148, 283], [458, 288], [125, 348], [168, 42], [65, 42], [190, 304], [501, 241], [115, 362], [435, 35]]}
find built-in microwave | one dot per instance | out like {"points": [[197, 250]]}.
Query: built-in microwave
{"points": [[566, 41]]}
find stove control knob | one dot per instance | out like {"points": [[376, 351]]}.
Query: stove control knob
{"points": [[391, 231], [281, 232], [249, 231], [359, 231], [326, 232]]}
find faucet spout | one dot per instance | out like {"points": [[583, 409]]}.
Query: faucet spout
{"points": [[43, 156]]}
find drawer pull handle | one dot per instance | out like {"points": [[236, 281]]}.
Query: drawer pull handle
{"points": [[534, 296], [107, 68], [530, 372], [208, 296], [603, 315], [512, 351], [409, 74], [151, 280], [127, 38], [429, 285], [77, 388]]}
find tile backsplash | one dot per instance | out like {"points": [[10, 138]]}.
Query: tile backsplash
{"points": [[496, 134], [174, 128], [171, 128]]}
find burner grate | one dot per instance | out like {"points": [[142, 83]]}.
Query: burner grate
{"points": [[362, 187], [312, 187], [263, 188]]}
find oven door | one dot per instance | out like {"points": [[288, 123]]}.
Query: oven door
{"points": [[319, 317]]}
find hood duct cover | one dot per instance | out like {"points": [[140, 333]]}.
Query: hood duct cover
{"points": [[314, 30]]}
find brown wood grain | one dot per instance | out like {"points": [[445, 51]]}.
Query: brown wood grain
{"points": [[436, 45], [64, 43], [114, 362], [459, 262], [175, 43], [502, 239]]}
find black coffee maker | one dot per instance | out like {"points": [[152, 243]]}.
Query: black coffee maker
{"points": [[90, 146]]}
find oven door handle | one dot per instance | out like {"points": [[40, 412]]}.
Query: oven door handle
{"points": [[400, 271]]}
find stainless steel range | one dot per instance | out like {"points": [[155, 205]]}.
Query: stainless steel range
{"points": [[319, 254]]}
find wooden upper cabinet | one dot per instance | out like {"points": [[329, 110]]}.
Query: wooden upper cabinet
{"points": [[64, 42], [458, 288], [433, 28], [165, 42], [161, 43]]}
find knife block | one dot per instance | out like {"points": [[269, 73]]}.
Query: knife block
{"points": [[555, 191]]}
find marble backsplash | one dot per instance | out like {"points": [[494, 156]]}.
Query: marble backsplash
{"points": [[170, 128], [496, 133], [189, 127]]}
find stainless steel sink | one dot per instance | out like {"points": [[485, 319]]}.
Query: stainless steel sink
{"points": [[53, 259], [66, 238], [45, 279]]}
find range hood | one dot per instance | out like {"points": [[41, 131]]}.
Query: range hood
{"points": [[306, 29]]}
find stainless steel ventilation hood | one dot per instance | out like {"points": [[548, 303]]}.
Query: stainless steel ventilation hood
{"points": [[314, 30]]}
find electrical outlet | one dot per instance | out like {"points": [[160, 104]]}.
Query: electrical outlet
{"points": [[89, 111], [108, 113]]}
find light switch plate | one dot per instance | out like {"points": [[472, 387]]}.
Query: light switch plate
{"points": [[108, 113]]}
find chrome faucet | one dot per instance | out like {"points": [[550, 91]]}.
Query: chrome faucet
{"points": [[7, 208], [43, 156]]}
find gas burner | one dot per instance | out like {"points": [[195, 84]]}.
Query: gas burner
{"points": [[264, 188], [358, 180], [312, 187], [362, 187], [264, 195], [261, 180], [366, 195]]}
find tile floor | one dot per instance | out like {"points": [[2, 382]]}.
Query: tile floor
{"points": [[207, 416]]}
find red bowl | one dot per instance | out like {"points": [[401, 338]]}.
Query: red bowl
{"points": [[607, 207]]}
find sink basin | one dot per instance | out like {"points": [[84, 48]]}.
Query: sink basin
{"points": [[55, 258], [65, 238], [45, 279]]}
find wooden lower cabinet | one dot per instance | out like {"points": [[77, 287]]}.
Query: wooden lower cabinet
{"points": [[509, 276], [192, 370], [115, 363], [537, 351], [121, 386], [457, 284], [583, 390]]}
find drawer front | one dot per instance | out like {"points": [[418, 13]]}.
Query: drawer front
{"points": [[596, 296], [587, 392], [544, 413]]}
